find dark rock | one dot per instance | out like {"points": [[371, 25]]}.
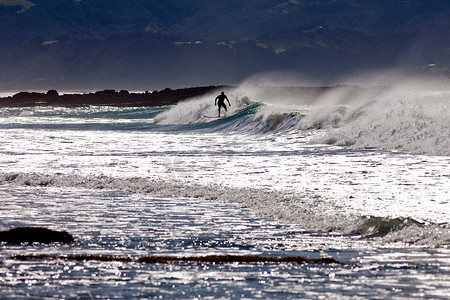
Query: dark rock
{"points": [[189, 259], [106, 92], [52, 93], [28, 95], [73, 257], [35, 235], [237, 259]]}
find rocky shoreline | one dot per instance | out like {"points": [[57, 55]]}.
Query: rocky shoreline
{"points": [[121, 98]]}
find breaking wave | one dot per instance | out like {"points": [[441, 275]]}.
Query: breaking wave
{"points": [[417, 123], [397, 118]]}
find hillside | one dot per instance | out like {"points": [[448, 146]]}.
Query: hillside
{"points": [[232, 19], [138, 44]]}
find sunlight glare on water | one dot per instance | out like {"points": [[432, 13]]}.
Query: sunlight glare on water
{"points": [[110, 223], [254, 183], [364, 182]]}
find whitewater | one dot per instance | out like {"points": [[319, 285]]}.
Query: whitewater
{"points": [[358, 174]]}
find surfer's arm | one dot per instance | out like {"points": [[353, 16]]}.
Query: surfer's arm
{"points": [[228, 101]]}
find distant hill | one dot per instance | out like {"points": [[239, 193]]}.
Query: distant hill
{"points": [[140, 43], [231, 19]]}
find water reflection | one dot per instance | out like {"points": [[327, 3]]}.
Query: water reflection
{"points": [[110, 223]]}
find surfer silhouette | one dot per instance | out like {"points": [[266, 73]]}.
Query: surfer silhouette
{"points": [[220, 102]]}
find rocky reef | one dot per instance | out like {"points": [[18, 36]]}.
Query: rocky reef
{"points": [[121, 98]]}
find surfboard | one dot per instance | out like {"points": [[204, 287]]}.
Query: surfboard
{"points": [[211, 117]]}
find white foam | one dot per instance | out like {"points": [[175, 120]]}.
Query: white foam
{"points": [[304, 209], [412, 122], [309, 210], [430, 236]]}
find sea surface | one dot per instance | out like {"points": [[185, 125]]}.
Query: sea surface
{"points": [[361, 177]]}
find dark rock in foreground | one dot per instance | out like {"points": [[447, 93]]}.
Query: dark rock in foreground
{"points": [[106, 98], [189, 259], [237, 259], [35, 235]]}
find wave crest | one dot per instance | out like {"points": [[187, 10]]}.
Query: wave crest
{"points": [[379, 227]]}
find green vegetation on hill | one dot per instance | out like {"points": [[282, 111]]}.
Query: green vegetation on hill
{"points": [[22, 3]]}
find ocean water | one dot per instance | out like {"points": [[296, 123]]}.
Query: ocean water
{"points": [[361, 177]]}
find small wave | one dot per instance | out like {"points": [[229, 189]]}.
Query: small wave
{"points": [[379, 227], [404, 230], [16, 112], [294, 208], [308, 210]]}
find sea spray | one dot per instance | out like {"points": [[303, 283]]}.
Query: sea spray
{"points": [[416, 123], [409, 116]]}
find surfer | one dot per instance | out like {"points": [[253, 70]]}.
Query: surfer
{"points": [[220, 101]]}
